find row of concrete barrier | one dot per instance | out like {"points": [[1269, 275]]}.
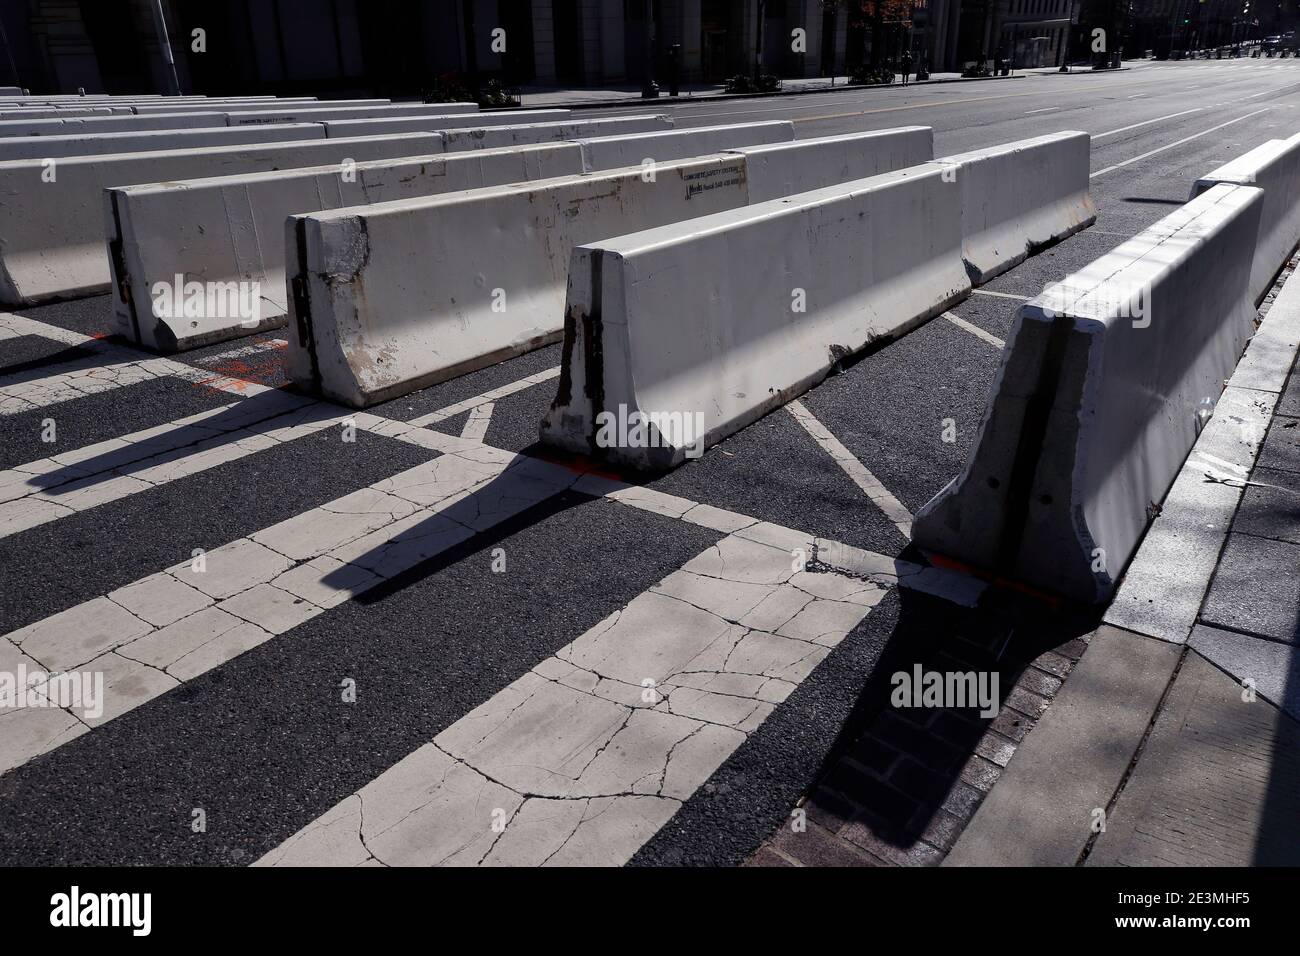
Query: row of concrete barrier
{"points": [[238, 115], [393, 297], [225, 229], [667, 322], [144, 140], [1106, 380], [51, 230]]}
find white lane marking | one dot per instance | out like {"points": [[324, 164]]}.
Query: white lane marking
{"points": [[1002, 295], [255, 349], [862, 477], [585, 757], [480, 418], [169, 627], [65, 484], [1185, 139], [451, 411], [975, 330], [1045, 109], [21, 325], [1158, 119]]}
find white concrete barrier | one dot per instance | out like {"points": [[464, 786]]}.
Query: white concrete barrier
{"points": [[639, 149], [214, 230], [89, 125], [320, 112], [499, 137], [422, 123], [1021, 197], [54, 112], [393, 297], [1275, 168], [679, 336], [245, 106], [52, 230], [789, 168], [1098, 401], [101, 144], [229, 230]]}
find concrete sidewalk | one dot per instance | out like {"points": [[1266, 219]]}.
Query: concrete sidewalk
{"points": [[1176, 739]]}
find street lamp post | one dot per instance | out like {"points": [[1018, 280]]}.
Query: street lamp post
{"points": [[165, 45]]}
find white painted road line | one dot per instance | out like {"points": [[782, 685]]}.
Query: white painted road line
{"points": [[1158, 119], [975, 330], [1002, 295], [476, 426], [861, 476], [1045, 109], [451, 411], [1179, 142], [164, 629], [584, 758]]}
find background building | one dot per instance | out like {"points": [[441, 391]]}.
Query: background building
{"points": [[409, 47]]}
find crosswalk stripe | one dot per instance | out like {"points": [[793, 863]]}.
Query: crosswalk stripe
{"points": [[585, 757], [151, 635], [34, 493], [480, 419]]}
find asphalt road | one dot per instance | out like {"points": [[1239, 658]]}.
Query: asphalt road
{"points": [[262, 741]]}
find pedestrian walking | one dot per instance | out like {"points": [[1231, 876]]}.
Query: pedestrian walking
{"points": [[905, 64]]}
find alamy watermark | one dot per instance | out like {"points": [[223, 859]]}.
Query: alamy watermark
{"points": [[178, 299], [1125, 300], [957, 690], [73, 690], [638, 429]]}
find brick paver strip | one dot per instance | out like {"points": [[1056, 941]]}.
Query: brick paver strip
{"points": [[1040, 812]]}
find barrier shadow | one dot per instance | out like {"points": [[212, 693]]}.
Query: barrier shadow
{"points": [[899, 774]]}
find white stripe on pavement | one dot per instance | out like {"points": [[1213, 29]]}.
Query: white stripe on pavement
{"points": [[1158, 119], [975, 330], [1002, 295], [451, 411], [480, 418], [1185, 139], [880, 495], [584, 758], [157, 632]]}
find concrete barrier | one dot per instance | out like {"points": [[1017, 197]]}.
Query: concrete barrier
{"points": [[1275, 168], [101, 144], [213, 230], [499, 137], [393, 297], [229, 230], [422, 123], [1096, 404], [54, 112], [226, 106], [90, 125], [1021, 197], [52, 232], [636, 149], [677, 337], [321, 112]]}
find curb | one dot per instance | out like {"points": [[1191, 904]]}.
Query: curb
{"points": [[1082, 751]]}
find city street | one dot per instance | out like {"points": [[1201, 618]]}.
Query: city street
{"points": [[561, 669]]}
